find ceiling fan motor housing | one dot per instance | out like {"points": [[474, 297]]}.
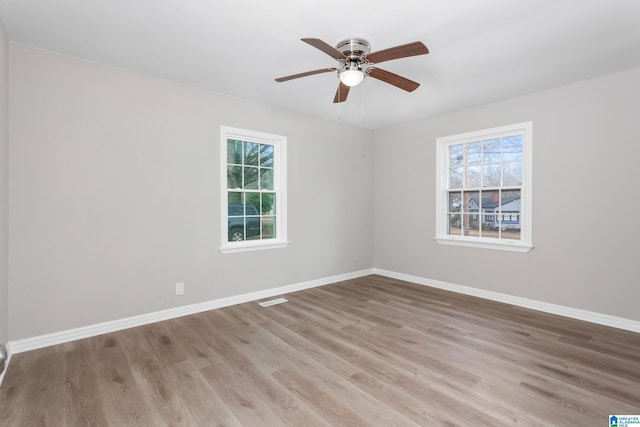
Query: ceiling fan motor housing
{"points": [[354, 49]]}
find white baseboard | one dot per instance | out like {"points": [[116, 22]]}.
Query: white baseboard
{"points": [[573, 313], [33, 343], [69, 335]]}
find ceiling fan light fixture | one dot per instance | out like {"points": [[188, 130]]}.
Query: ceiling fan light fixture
{"points": [[352, 75]]}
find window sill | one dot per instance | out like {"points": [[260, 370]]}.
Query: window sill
{"points": [[507, 245], [231, 248]]}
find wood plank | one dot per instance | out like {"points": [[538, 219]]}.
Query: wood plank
{"points": [[124, 404], [82, 398], [37, 389], [151, 376]]}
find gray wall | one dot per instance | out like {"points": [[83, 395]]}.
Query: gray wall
{"points": [[4, 184], [115, 188], [586, 148], [114, 196]]}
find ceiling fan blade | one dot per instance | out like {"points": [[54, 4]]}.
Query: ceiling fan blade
{"points": [[402, 51], [325, 47], [305, 74], [341, 93], [393, 79]]}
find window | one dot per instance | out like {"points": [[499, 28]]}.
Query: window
{"points": [[484, 188], [253, 176]]}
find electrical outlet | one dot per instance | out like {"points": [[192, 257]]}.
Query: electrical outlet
{"points": [[179, 288]]}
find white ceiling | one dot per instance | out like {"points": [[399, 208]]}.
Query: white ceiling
{"points": [[480, 51]]}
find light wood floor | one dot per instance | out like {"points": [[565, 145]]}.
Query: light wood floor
{"points": [[371, 351]]}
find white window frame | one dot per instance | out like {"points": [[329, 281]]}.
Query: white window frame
{"points": [[280, 188], [442, 183]]}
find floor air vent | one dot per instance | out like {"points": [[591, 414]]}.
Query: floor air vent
{"points": [[272, 302]]}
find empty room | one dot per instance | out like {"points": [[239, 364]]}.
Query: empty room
{"points": [[246, 213]]}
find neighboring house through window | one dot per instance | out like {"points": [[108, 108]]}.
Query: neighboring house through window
{"points": [[254, 190], [484, 188]]}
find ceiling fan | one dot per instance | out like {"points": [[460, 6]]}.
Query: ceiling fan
{"points": [[355, 62]]}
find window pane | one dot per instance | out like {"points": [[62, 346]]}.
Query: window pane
{"points": [[490, 201], [471, 224], [235, 203], [491, 175], [268, 204], [456, 175], [234, 151], [470, 201], [250, 178], [512, 148], [474, 153], [268, 227], [266, 155], [456, 155], [251, 153], [454, 225], [253, 203], [455, 201], [253, 227], [491, 151], [510, 233], [510, 202], [474, 176], [489, 228], [236, 229], [266, 179], [510, 214], [234, 176], [512, 174]]}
